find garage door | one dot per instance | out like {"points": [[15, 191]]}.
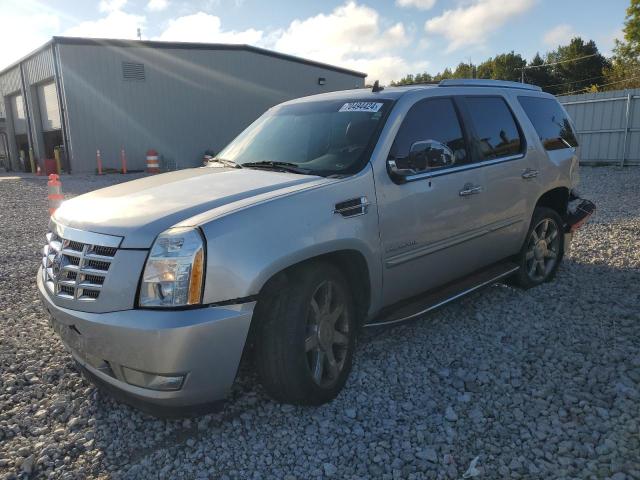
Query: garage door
{"points": [[48, 103], [18, 114]]}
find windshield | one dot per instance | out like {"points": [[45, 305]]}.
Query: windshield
{"points": [[321, 138]]}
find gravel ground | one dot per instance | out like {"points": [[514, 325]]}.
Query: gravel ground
{"points": [[537, 384]]}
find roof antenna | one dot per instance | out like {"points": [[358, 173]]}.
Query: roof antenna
{"points": [[376, 87]]}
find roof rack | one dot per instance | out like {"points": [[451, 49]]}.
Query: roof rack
{"points": [[469, 82]]}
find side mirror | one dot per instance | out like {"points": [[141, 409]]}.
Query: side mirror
{"points": [[423, 156]]}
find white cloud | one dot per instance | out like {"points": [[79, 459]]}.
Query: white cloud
{"points": [[116, 24], [559, 35], [157, 5], [352, 36], [203, 27], [419, 4], [26, 25], [472, 23], [111, 5]]}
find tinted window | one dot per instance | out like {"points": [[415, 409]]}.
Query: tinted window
{"points": [[432, 120], [323, 138], [497, 134], [550, 121]]}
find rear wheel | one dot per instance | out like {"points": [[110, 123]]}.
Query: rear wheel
{"points": [[306, 337], [543, 249]]}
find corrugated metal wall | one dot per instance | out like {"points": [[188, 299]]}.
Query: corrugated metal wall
{"points": [[10, 85], [36, 68], [39, 67], [10, 81], [189, 100], [608, 125]]}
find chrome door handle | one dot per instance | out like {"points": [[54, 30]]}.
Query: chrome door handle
{"points": [[529, 173], [470, 189]]}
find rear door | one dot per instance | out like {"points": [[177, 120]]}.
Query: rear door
{"points": [[554, 130], [510, 173]]}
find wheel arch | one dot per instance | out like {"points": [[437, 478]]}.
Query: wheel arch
{"points": [[556, 199], [352, 264]]}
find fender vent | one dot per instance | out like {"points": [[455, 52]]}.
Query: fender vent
{"points": [[353, 207]]}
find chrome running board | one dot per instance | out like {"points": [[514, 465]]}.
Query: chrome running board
{"points": [[434, 299]]}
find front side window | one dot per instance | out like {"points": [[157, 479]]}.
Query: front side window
{"points": [[550, 122], [320, 138], [497, 134], [430, 137]]}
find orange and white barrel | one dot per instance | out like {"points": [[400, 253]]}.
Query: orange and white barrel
{"points": [[153, 161], [55, 193]]}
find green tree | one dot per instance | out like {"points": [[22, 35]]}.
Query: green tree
{"points": [[485, 69], [578, 65], [624, 71], [464, 70], [506, 66], [538, 73]]}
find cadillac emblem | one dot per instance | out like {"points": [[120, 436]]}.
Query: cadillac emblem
{"points": [[56, 265]]}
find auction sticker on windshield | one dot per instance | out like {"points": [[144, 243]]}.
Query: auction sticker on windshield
{"points": [[361, 107]]}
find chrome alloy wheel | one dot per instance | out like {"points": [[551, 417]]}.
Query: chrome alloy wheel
{"points": [[327, 340], [542, 249]]}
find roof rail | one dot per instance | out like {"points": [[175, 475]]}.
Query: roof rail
{"points": [[469, 82]]}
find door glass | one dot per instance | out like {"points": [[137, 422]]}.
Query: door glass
{"points": [[495, 128], [430, 137], [550, 121]]}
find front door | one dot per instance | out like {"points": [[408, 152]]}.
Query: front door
{"points": [[431, 223]]}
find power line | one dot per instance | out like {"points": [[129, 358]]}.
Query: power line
{"points": [[633, 70], [602, 85], [526, 67], [568, 83]]}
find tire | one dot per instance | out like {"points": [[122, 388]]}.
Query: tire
{"points": [[304, 345], [542, 251]]}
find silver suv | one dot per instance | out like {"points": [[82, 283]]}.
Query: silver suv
{"points": [[328, 213]]}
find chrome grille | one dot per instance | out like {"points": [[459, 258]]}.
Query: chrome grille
{"points": [[74, 270]]}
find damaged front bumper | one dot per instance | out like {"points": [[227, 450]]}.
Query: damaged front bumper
{"points": [[166, 362]]}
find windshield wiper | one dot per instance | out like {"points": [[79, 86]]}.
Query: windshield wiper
{"points": [[286, 166], [225, 162]]}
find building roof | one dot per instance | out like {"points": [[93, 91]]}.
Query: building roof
{"points": [[182, 45]]}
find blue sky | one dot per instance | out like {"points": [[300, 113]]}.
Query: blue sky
{"points": [[386, 39]]}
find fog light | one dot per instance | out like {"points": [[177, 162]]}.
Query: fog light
{"points": [[152, 380]]}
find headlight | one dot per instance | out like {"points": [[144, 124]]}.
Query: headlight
{"points": [[174, 272]]}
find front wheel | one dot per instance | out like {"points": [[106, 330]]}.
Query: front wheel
{"points": [[543, 249], [306, 339]]}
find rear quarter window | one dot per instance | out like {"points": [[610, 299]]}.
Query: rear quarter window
{"points": [[550, 122], [496, 132]]}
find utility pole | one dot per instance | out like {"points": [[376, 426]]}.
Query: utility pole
{"points": [[139, 34]]}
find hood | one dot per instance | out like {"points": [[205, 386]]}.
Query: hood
{"points": [[141, 209]]}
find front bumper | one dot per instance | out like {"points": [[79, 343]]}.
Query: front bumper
{"points": [[204, 345]]}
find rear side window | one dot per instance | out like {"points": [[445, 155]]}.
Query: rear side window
{"points": [[550, 121], [497, 134], [431, 120]]}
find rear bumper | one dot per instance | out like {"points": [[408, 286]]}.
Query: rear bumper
{"points": [[203, 345], [578, 212]]}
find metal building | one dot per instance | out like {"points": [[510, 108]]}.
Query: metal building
{"points": [[180, 99]]}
